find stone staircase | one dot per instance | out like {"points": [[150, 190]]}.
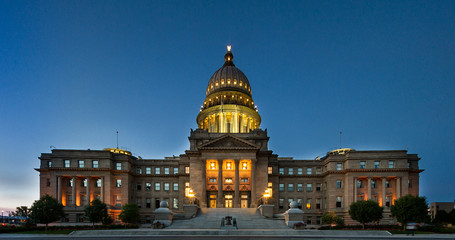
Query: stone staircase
{"points": [[210, 218]]}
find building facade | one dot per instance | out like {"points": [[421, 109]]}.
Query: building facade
{"points": [[228, 165]]}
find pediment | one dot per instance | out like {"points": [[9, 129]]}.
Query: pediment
{"points": [[229, 142]]}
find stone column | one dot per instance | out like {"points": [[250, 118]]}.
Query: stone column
{"points": [[59, 189], [73, 196], [237, 193], [369, 188], [398, 187], [253, 184], [222, 122], [383, 191], [88, 191], [355, 189], [102, 190], [220, 183]]}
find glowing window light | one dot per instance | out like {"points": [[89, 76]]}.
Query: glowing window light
{"points": [[229, 48], [216, 84], [211, 86], [228, 165], [212, 165], [229, 81], [244, 166]]}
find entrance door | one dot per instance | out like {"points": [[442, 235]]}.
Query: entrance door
{"points": [[213, 203], [228, 203], [244, 203]]}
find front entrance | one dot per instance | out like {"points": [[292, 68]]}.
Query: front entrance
{"points": [[213, 203], [228, 203], [244, 203]]}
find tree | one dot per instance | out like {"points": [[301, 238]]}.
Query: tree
{"points": [[46, 210], [441, 217], [96, 212], [410, 208], [332, 219], [130, 213], [22, 211], [365, 212]]}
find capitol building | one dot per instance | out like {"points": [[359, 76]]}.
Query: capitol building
{"points": [[228, 165]]}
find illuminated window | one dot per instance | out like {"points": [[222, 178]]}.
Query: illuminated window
{"points": [[211, 86], [244, 180], [362, 164], [222, 81], [308, 203], [166, 186], [148, 170], [241, 83], [309, 187], [187, 170], [95, 163], [229, 81], [391, 164], [175, 203], [119, 166], [98, 183], [376, 164], [270, 170], [244, 166], [228, 180], [67, 163], [339, 167], [157, 170], [166, 170], [157, 186], [212, 180], [212, 165], [235, 82], [119, 183], [176, 186], [269, 185], [216, 84], [228, 166], [308, 171]]}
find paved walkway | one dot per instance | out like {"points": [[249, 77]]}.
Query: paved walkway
{"points": [[210, 218]]}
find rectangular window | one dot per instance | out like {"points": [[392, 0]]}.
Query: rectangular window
{"points": [[359, 184], [139, 202], [308, 203], [339, 183], [289, 202], [212, 180], [299, 171], [409, 164], [376, 164], [318, 170], [166, 171], [49, 163], [290, 187], [387, 201], [148, 186], [308, 171], [409, 183], [318, 187], [281, 203], [228, 180], [339, 200], [157, 186], [176, 187], [98, 183], [148, 203], [290, 171], [387, 184], [176, 171], [281, 171], [48, 182], [139, 170], [175, 203], [299, 202], [391, 164], [187, 170], [166, 186], [119, 183], [95, 164], [139, 186], [270, 170], [339, 167], [309, 187], [119, 166], [269, 184], [318, 203], [81, 163], [299, 187], [373, 184], [362, 164], [118, 200], [281, 188], [67, 163], [157, 171], [148, 170], [244, 180], [84, 183]]}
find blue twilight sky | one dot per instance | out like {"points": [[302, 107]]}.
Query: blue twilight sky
{"points": [[72, 73]]}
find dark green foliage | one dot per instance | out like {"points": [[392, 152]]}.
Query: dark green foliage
{"points": [[332, 219], [130, 213], [410, 209], [22, 211], [365, 211], [96, 212], [46, 210]]}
